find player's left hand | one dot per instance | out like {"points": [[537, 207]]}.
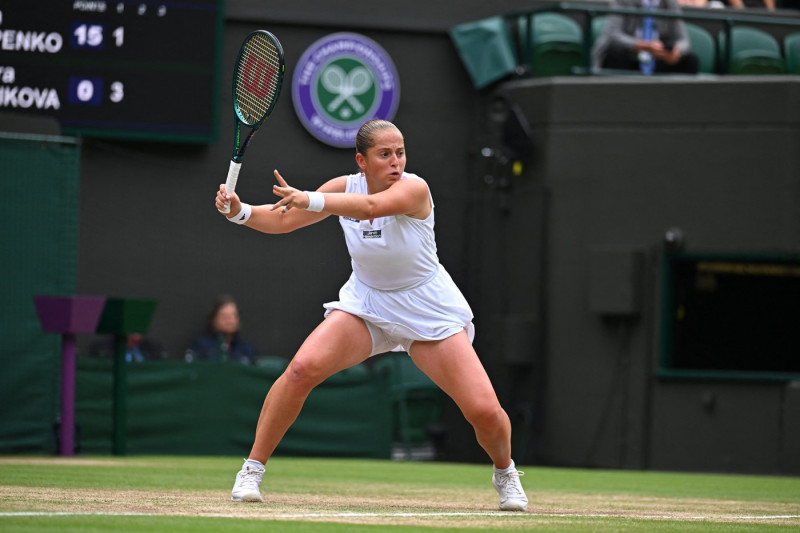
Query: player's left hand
{"points": [[290, 197]]}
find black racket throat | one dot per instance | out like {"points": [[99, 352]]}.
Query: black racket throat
{"points": [[238, 155]]}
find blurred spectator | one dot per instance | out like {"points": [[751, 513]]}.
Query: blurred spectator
{"points": [[739, 4], [649, 44], [138, 349], [221, 340]]}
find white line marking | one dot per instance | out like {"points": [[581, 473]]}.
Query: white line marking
{"points": [[407, 515]]}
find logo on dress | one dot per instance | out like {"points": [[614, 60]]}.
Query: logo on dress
{"points": [[372, 234], [340, 82]]}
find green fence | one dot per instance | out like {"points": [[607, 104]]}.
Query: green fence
{"points": [[211, 408], [39, 236]]}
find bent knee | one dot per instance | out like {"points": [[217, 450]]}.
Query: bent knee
{"points": [[488, 417], [302, 375]]}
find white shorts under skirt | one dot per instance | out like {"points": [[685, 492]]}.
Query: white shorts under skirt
{"points": [[395, 319]]}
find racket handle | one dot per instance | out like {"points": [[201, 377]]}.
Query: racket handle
{"points": [[230, 183]]}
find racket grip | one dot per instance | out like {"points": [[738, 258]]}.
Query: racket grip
{"points": [[230, 183]]}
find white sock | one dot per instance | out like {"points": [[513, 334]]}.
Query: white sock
{"points": [[254, 464], [505, 470]]}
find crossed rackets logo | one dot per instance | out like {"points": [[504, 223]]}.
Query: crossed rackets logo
{"points": [[344, 93], [346, 86], [340, 81]]}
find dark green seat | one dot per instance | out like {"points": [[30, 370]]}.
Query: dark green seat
{"points": [[753, 52], [791, 51], [599, 24], [417, 401], [704, 47], [555, 48], [486, 50]]}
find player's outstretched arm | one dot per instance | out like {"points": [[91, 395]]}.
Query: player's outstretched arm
{"points": [[265, 219]]}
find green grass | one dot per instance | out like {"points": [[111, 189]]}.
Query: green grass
{"points": [[151, 489], [217, 525]]}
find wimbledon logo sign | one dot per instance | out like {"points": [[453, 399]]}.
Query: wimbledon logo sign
{"points": [[340, 82]]}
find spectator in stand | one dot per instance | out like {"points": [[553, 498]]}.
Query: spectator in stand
{"points": [[138, 349], [741, 4], [648, 44], [222, 340]]}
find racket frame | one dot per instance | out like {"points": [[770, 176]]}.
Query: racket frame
{"points": [[239, 119]]}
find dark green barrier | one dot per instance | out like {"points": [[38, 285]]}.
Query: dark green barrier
{"points": [[39, 236], [211, 408]]}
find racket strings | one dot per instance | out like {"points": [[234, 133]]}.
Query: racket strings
{"points": [[257, 78]]}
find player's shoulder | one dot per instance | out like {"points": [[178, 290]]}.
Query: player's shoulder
{"points": [[414, 178], [337, 184]]}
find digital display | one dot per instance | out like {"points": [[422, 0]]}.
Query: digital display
{"points": [[733, 313], [126, 69]]}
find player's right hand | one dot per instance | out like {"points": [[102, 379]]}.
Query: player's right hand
{"points": [[223, 198]]}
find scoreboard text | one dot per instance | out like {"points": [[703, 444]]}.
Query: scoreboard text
{"points": [[118, 68]]}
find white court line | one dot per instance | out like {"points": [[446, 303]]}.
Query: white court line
{"points": [[286, 516]]}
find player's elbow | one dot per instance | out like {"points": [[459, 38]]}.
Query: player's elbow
{"points": [[369, 210]]}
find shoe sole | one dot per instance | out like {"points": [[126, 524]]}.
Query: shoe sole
{"points": [[514, 506], [249, 498]]}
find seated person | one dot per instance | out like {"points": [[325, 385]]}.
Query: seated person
{"points": [[221, 341], [623, 45], [138, 349], [764, 4]]}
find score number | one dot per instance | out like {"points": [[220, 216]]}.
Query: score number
{"points": [[92, 35], [90, 90]]}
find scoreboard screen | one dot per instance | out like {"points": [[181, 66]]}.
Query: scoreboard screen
{"points": [[133, 69]]}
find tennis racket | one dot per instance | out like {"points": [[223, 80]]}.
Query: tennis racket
{"points": [[257, 80]]}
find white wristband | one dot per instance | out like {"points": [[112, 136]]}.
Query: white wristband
{"points": [[316, 201], [242, 216]]}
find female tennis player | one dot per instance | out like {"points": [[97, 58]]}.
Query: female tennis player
{"points": [[399, 297]]}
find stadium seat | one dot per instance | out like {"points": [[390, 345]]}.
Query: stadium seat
{"points": [[417, 401], [273, 362], [753, 52], [598, 27], [791, 50], [703, 46], [486, 50], [555, 47]]}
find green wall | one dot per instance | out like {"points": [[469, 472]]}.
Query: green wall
{"points": [[39, 239]]}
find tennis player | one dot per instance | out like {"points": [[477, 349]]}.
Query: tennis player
{"points": [[399, 297]]}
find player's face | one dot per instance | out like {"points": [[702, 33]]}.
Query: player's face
{"points": [[385, 161]]}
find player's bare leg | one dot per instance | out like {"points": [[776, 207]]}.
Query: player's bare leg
{"points": [[339, 342], [454, 366]]}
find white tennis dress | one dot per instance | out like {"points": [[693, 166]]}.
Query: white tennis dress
{"points": [[398, 285]]}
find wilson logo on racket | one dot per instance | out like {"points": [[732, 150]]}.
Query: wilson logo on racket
{"points": [[258, 76]]}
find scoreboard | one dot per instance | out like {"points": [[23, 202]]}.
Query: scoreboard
{"points": [[133, 69]]}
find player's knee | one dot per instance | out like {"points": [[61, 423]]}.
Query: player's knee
{"points": [[302, 375], [488, 417]]}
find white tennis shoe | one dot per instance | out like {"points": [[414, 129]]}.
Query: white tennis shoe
{"points": [[247, 487], [512, 496]]}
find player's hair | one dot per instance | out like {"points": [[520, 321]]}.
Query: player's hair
{"points": [[365, 138]]}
